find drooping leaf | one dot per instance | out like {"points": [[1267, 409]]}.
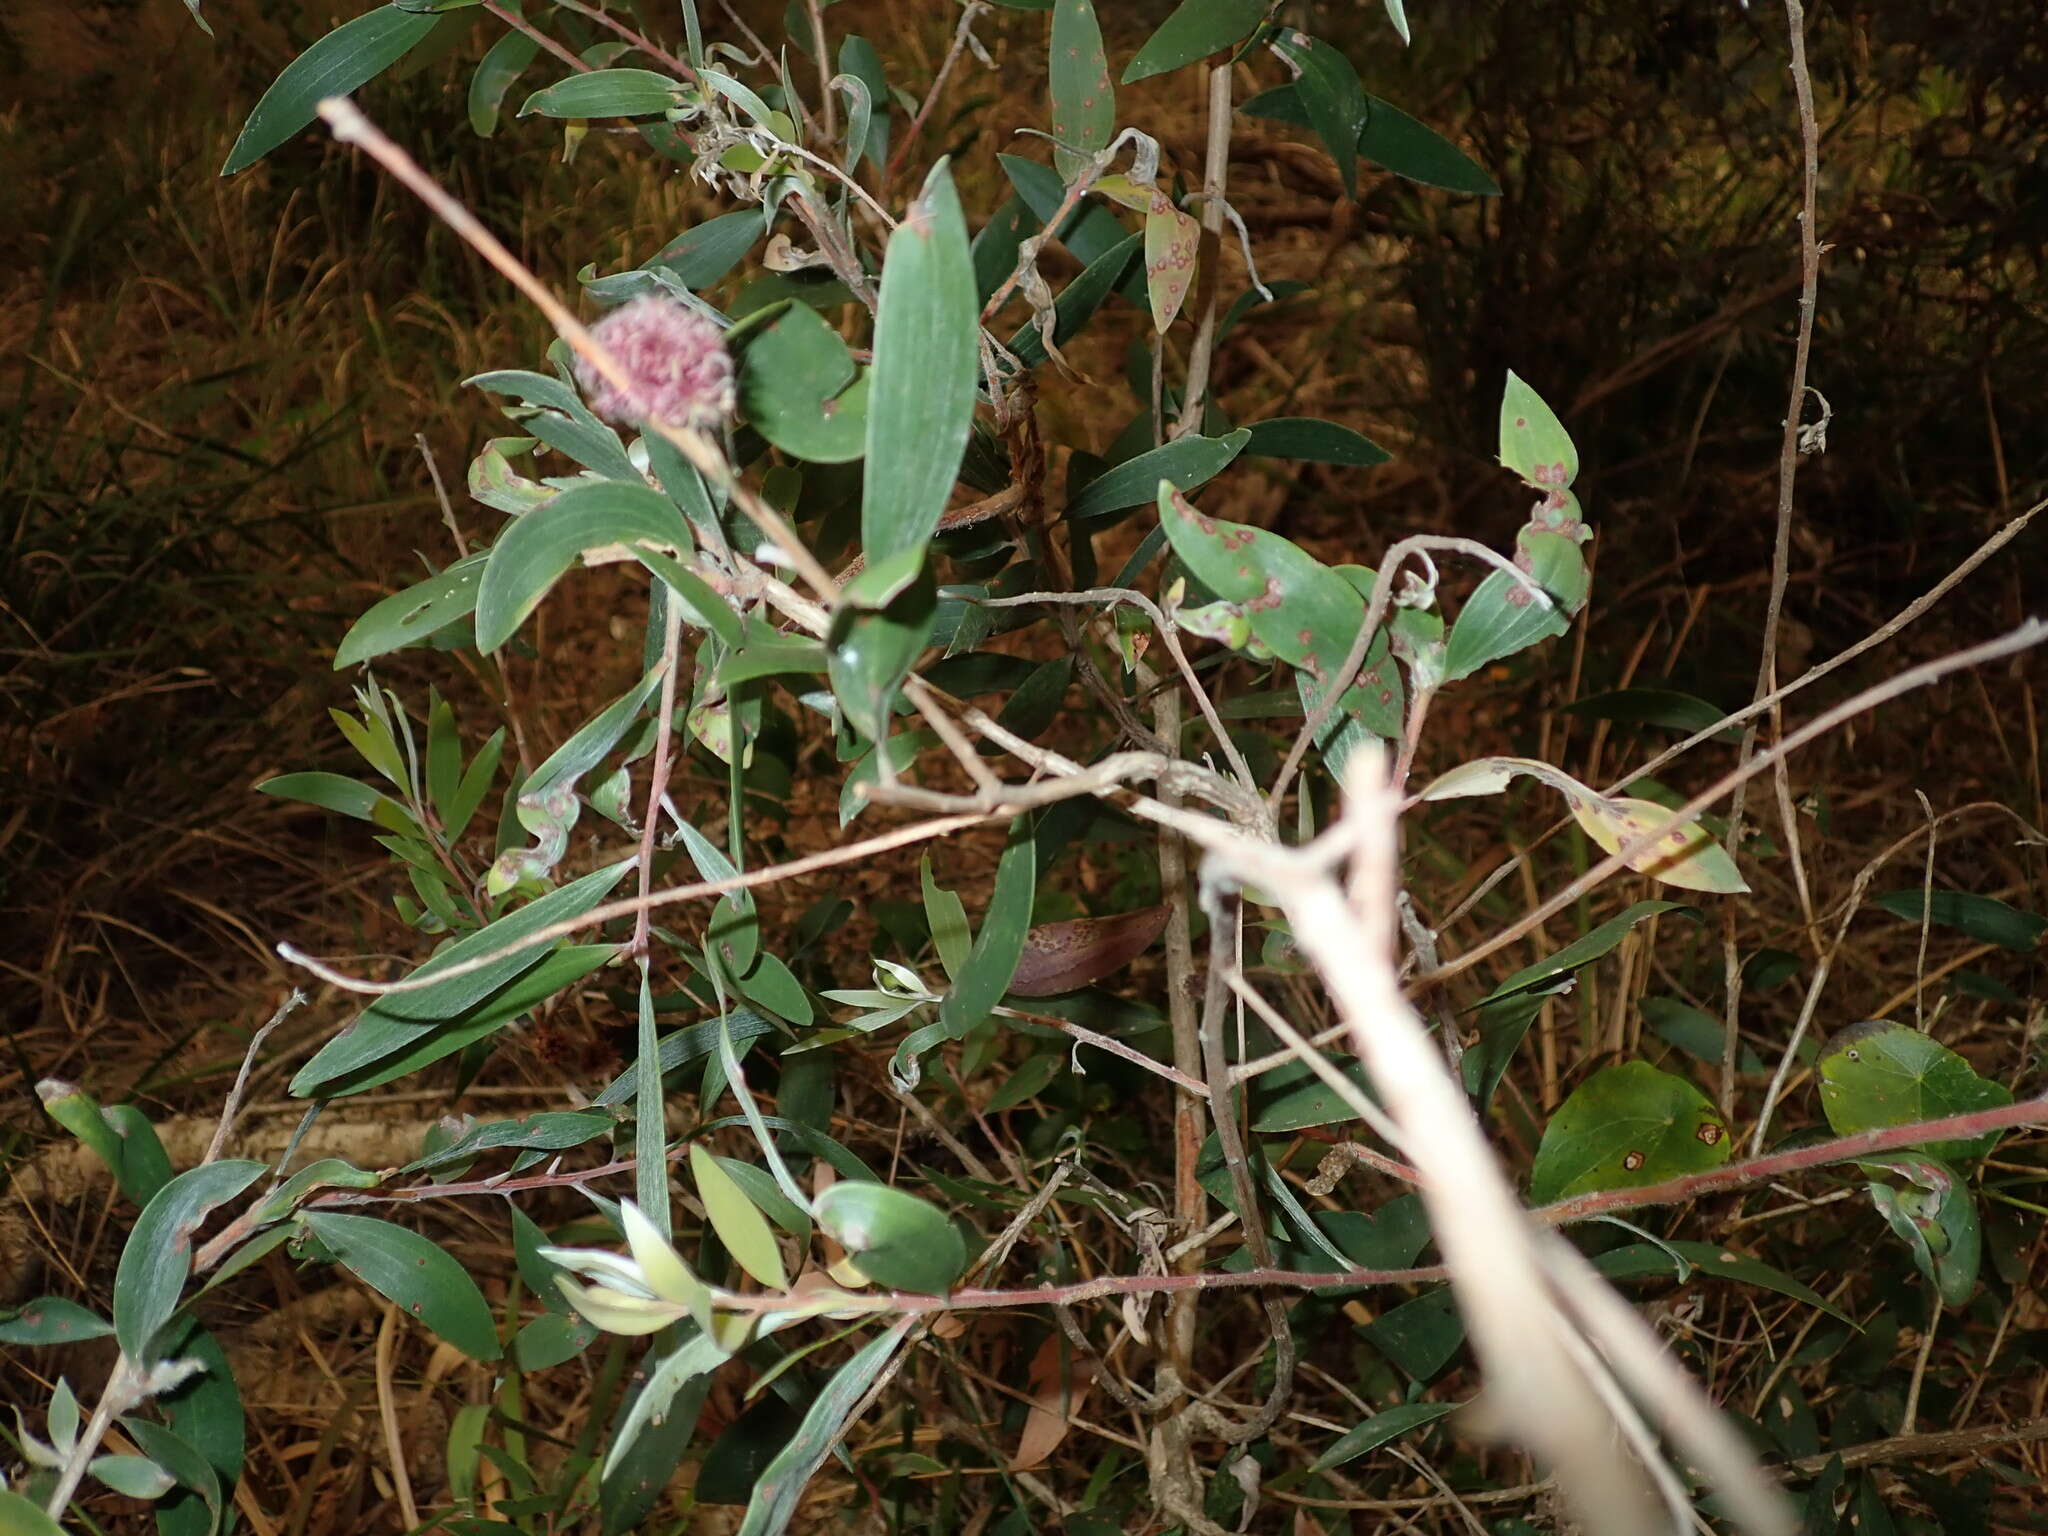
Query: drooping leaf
{"points": [[398, 1019], [921, 388], [1984, 918], [1878, 1074], [157, 1258], [347, 58], [1063, 957], [502, 64], [894, 1238], [1083, 101], [424, 1279], [1625, 1126], [531, 554], [1936, 1214], [738, 1221], [551, 411], [1196, 29], [1329, 90]]}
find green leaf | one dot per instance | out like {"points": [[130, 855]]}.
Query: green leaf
{"points": [[795, 375], [1981, 917], [1312, 441], [897, 1240], [399, 1019], [559, 968], [946, 916], [550, 410], [1391, 139], [1936, 1215], [1186, 461], [738, 1221], [1878, 1074], [772, 987], [547, 1131], [198, 1513], [1083, 101], [1641, 1259], [347, 58], [1329, 90], [781, 1485], [135, 1476], [1627, 1125], [423, 1279], [531, 554], [1090, 231], [1502, 616], [157, 1257], [1304, 612], [608, 93], [1382, 1428], [1196, 29], [1533, 442], [337, 792], [412, 616], [1654, 706], [503, 63], [999, 944], [52, 1320], [878, 630], [1314, 1103], [1700, 1035], [922, 384], [705, 252], [18, 1517]]}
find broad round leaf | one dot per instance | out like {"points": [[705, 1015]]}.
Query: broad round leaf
{"points": [[1625, 1126], [896, 1239], [1878, 1074], [795, 375]]}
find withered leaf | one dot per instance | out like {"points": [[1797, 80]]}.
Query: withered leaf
{"points": [[1060, 957]]}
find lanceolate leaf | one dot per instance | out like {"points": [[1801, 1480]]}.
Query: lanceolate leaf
{"points": [[534, 551], [607, 93], [1641, 1259], [1312, 441], [1981, 917], [921, 388], [1196, 29], [1382, 1429], [1083, 101], [738, 1221], [1078, 301], [157, 1257], [999, 944], [781, 1486], [1391, 139], [351, 55], [422, 1278], [1329, 90], [1186, 461], [397, 1020], [503, 63], [1684, 853]]}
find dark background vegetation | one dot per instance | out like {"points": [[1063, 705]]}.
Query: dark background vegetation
{"points": [[210, 394]]}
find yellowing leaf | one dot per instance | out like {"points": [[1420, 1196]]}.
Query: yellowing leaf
{"points": [[738, 1222], [1172, 241], [1683, 854]]}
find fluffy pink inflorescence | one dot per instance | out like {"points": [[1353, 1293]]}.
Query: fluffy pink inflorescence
{"points": [[677, 361]]}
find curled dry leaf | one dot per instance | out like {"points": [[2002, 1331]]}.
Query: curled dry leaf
{"points": [[1059, 957]]}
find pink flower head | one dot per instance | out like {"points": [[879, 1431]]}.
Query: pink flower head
{"points": [[676, 359]]}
